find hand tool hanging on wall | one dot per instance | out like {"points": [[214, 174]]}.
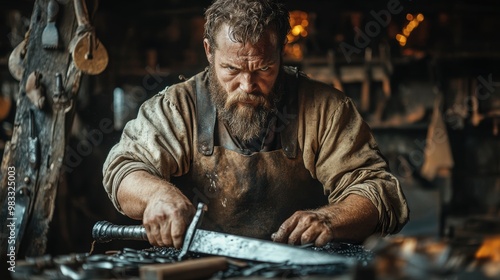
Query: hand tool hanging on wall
{"points": [[26, 194], [89, 54], [366, 82], [222, 244], [35, 90], [16, 58], [61, 100], [50, 35]]}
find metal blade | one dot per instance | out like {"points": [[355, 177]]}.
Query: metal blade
{"points": [[239, 247], [22, 213]]}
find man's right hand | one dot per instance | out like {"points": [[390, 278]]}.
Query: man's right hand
{"points": [[166, 220], [164, 210]]}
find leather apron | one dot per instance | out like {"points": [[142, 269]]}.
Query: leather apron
{"points": [[249, 195]]}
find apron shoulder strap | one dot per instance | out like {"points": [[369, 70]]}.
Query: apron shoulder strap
{"points": [[289, 113], [205, 116]]}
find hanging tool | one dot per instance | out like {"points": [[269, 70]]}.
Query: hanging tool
{"points": [[26, 194], [50, 35], [61, 100], [16, 58], [221, 244], [89, 54], [366, 82], [35, 90]]}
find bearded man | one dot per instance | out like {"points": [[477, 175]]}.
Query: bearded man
{"points": [[274, 154]]}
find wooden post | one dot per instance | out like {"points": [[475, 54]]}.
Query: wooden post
{"points": [[39, 133]]}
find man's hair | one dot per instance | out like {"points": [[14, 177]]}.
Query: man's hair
{"points": [[247, 20]]}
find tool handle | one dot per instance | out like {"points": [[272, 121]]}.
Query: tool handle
{"points": [[52, 11], [105, 231], [82, 14], [202, 268]]}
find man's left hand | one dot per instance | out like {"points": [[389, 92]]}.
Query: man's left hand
{"points": [[351, 220], [305, 227]]}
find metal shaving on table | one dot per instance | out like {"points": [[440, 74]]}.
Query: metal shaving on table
{"points": [[125, 264]]}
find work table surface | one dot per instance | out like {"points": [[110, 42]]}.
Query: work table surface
{"points": [[396, 257]]}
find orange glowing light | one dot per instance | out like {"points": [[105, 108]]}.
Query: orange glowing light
{"points": [[490, 249], [413, 22], [299, 22], [297, 29]]}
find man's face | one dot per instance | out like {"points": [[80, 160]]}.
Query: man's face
{"points": [[242, 81]]}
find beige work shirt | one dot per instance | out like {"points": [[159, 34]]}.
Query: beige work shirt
{"points": [[337, 147]]}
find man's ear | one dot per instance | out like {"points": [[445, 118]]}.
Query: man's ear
{"points": [[208, 52]]}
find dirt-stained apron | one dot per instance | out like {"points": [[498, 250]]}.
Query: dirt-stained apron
{"points": [[250, 195]]}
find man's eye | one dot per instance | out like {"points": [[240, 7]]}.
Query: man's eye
{"points": [[264, 68], [231, 69]]}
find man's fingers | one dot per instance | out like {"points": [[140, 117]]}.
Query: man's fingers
{"points": [[284, 230], [178, 231], [323, 238], [154, 236], [180, 225], [295, 236], [309, 235], [304, 227], [165, 236], [148, 234]]}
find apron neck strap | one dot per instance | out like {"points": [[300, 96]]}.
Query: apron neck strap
{"points": [[205, 115], [288, 113]]}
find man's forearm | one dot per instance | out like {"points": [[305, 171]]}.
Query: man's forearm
{"points": [[137, 188], [353, 219]]}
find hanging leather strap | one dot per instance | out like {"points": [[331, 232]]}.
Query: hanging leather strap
{"points": [[205, 115], [289, 112]]}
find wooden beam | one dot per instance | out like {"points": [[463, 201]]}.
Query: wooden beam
{"points": [[35, 154]]}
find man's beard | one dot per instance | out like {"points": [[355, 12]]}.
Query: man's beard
{"points": [[245, 122]]}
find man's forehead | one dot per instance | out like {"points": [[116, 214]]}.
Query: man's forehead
{"points": [[225, 34], [226, 44]]}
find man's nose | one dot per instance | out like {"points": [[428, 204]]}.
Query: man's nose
{"points": [[247, 83]]}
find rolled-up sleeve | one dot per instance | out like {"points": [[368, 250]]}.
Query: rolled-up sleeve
{"points": [[157, 141], [341, 152]]}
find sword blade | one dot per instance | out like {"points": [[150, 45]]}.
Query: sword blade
{"points": [[240, 247]]}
